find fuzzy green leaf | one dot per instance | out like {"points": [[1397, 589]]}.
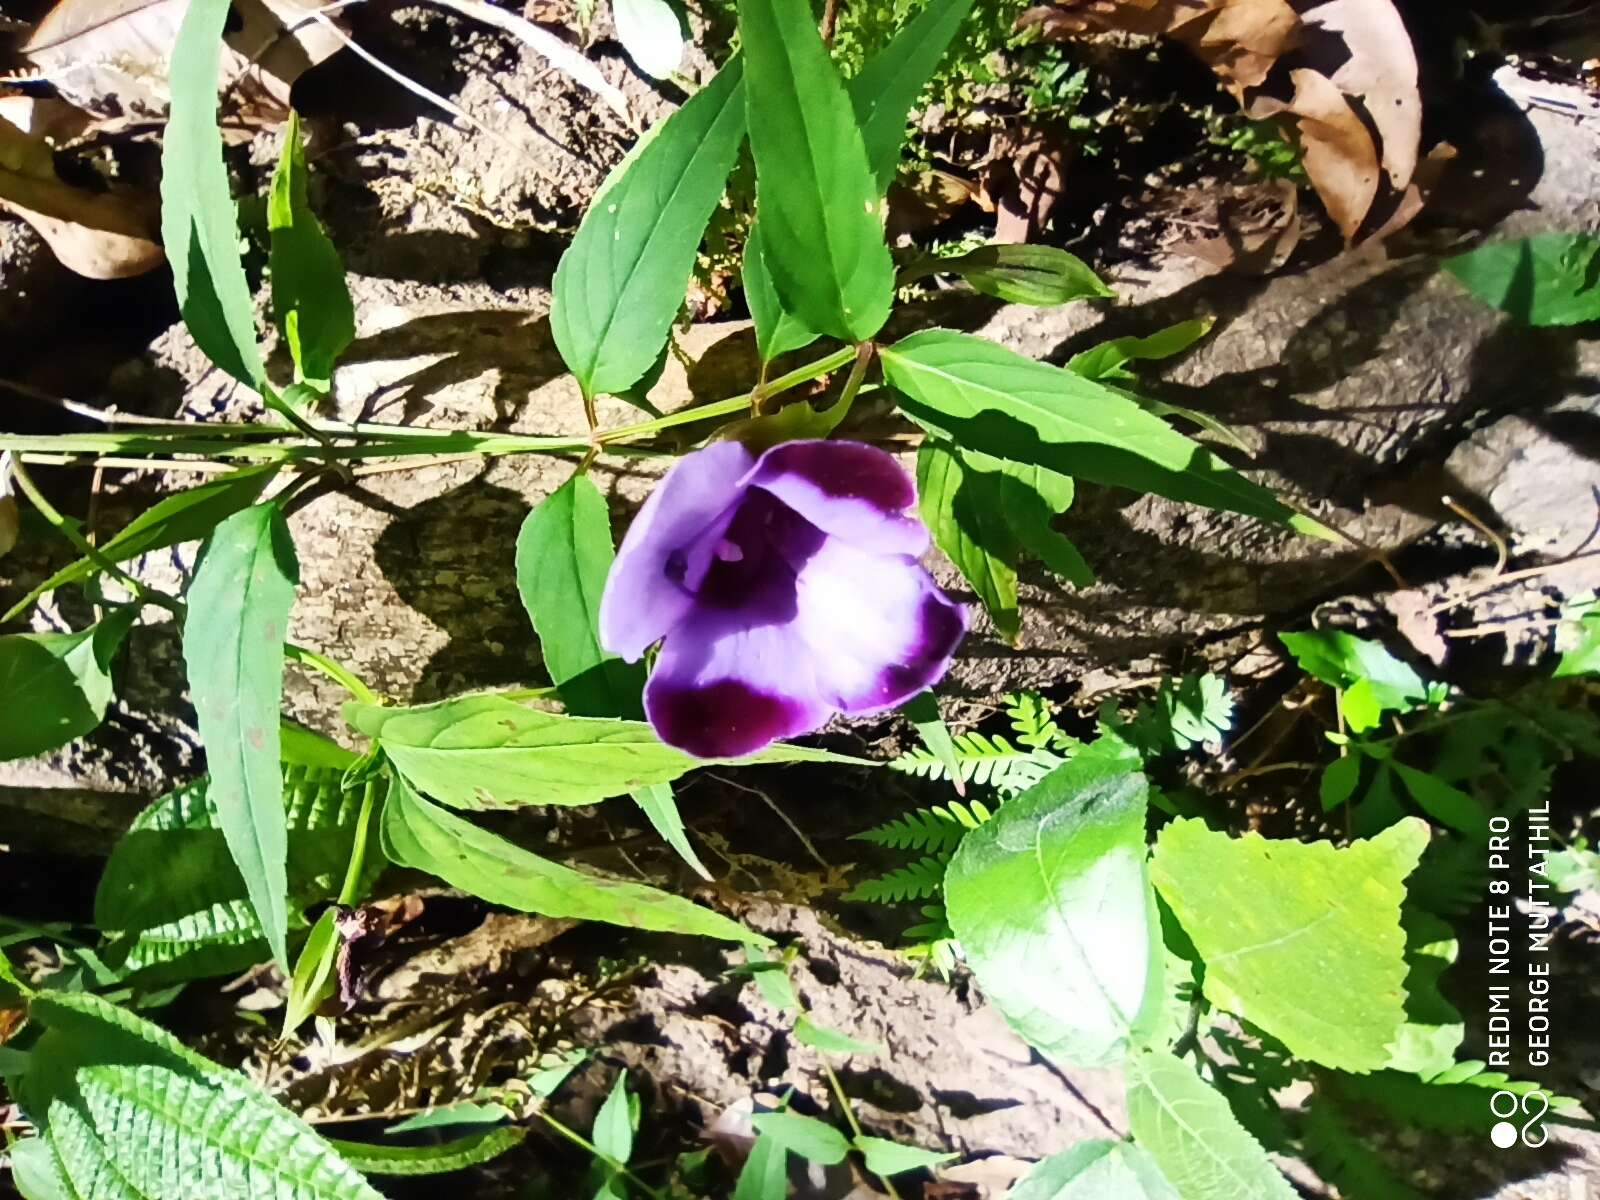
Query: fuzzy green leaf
{"points": [[233, 638], [483, 751], [1301, 939], [199, 226], [1552, 279], [57, 685], [1051, 902], [309, 296], [1099, 1170], [985, 397], [135, 1115], [564, 553], [816, 196], [1186, 1126], [621, 282], [428, 838]]}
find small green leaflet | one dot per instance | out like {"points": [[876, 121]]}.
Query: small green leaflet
{"points": [[1374, 681], [985, 513], [813, 1140], [428, 838], [564, 552], [309, 295], [1052, 905], [456, 1155], [1552, 279], [621, 282], [57, 685], [650, 32], [198, 224], [131, 1112], [233, 638], [1108, 359], [614, 1127], [1187, 1128], [885, 1158], [660, 807], [830, 1041], [1095, 1171], [923, 711], [485, 751], [1044, 276], [1302, 939], [184, 517], [1582, 656], [985, 397], [765, 1173], [816, 195], [311, 982]]}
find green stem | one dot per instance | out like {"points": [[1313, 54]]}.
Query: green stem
{"points": [[341, 675], [350, 892], [578, 1139], [850, 1115]]}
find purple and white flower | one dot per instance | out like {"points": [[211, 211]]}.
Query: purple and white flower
{"points": [[783, 589]]}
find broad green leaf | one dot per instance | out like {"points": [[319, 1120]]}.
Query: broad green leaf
{"points": [[1052, 905], [830, 1041], [428, 838], [890, 82], [813, 1140], [1301, 939], [199, 226], [1044, 276], [1187, 1128], [764, 1175], [778, 331], [885, 1158], [564, 552], [987, 398], [1552, 279], [661, 807], [815, 193], [309, 295], [185, 517], [172, 902], [651, 33], [1344, 660], [1095, 1171], [456, 1155], [233, 650], [621, 282], [134, 1114], [489, 752], [1106, 361], [56, 686]]}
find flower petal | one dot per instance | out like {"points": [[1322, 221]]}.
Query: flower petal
{"points": [[723, 688], [878, 627], [671, 540], [847, 489]]}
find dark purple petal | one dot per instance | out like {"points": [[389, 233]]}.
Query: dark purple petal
{"points": [[669, 548], [722, 688], [879, 628], [848, 490]]}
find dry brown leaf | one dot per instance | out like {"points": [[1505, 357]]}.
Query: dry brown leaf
{"points": [[1337, 151], [1370, 56], [101, 235], [109, 57], [1258, 229], [1025, 180]]}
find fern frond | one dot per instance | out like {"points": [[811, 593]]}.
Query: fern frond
{"points": [[1347, 1160], [1195, 710], [938, 827], [985, 761], [914, 882], [1034, 720]]}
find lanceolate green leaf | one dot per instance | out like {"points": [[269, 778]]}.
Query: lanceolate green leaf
{"points": [[1106, 361], [133, 1114], [428, 838], [184, 517], [174, 905], [489, 752], [198, 224], [455, 1155], [1044, 276], [1095, 1171], [563, 554], [622, 281], [778, 331], [990, 399], [1187, 1127], [1301, 939], [309, 295], [1050, 901], [892, 79], [820, 207], [55, 686], [233, 649], [660, 807]]}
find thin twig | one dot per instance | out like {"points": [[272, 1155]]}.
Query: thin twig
{"points": [[782, 816], [1501, 550], [1494, 627]]}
